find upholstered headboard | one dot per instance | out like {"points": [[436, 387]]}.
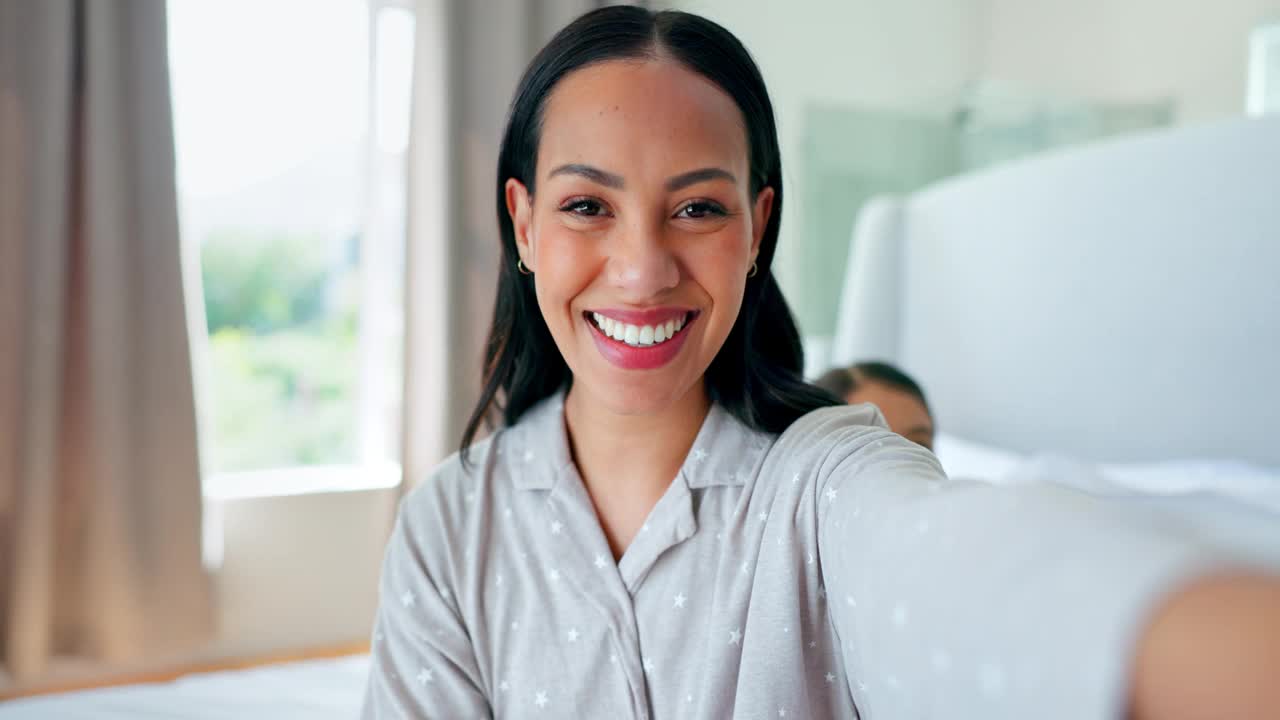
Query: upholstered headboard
{"points": [[1118, 301]]}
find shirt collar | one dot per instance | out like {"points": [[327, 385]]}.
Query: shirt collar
{"points": [[725, 452]]}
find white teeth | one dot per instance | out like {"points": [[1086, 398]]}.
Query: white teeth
{"points": [[638, 335]]}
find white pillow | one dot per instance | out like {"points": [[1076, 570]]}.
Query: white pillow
{"points": [[1235, 480], [968, 460]]}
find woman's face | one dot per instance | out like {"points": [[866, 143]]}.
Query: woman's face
{"points": [[641, 230]]}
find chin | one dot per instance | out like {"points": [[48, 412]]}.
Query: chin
{"points": [[641, 396]]}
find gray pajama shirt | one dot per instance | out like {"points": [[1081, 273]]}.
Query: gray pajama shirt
{"points": [[829, 572]]}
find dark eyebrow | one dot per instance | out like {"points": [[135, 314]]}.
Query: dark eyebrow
{"points": [[918, 430], [593, 174], [692, 177]]}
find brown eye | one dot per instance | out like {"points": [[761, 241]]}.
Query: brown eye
{"points": [[583, 207], [701, 209]]}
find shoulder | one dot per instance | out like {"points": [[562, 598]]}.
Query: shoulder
{"points": [[830, 428], [835, 443], [433, 515]]}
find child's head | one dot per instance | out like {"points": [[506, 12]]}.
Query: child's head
{"points": [[899, 397]]}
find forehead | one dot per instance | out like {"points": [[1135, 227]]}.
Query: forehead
{"points": [[889, 399], [641, 117]]}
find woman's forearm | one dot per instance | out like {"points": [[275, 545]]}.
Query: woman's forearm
{"points": [[1212, 652]]}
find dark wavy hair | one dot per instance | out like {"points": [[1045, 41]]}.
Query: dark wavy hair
{"points": [[756, 376]]}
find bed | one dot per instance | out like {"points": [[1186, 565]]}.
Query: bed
{"points": [[1115, 302], [328, 689], [1105, 317]]}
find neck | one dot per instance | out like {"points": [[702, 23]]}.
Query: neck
{"points": [[626, 478]]}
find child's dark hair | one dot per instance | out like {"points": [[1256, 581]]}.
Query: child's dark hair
{"points": [[843, 381]]}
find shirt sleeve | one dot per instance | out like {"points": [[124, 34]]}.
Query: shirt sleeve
{"points": [[422, 662], [960, 599]]}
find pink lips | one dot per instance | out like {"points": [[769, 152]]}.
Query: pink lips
{"points": [[629, 357]]}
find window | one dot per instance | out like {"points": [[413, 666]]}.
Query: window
{"points": [[292, 124], [1264, 70]]}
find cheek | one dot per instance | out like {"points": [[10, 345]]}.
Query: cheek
{"points": [[566, 265], [716, 264]]}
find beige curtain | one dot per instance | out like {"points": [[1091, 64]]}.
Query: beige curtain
{"points": [[469, 57], [100, 517]]}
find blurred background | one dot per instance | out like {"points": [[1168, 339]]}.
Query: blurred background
{"points": [[249, 248]]}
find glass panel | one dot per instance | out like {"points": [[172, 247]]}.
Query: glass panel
{"points": [[296, 213]]}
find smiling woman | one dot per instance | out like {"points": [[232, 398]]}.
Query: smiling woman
{"points": [[670, 523]]}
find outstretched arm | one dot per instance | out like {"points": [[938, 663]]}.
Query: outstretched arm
{"points": [[1212, 652], [954, 598]]}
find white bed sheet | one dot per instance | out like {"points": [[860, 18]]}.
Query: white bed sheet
{"points": [[310, 690], [1234, 505]]}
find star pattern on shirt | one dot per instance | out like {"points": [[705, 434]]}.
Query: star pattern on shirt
{"points": [[798, 553]]}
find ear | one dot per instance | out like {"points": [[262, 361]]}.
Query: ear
{"points": [[760, 214], [520, 208]]}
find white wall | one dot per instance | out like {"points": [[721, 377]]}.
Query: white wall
{"points": [[1193, 51], [299, 572]]}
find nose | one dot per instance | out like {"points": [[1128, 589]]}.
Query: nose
{"points": [[641, 263]]}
